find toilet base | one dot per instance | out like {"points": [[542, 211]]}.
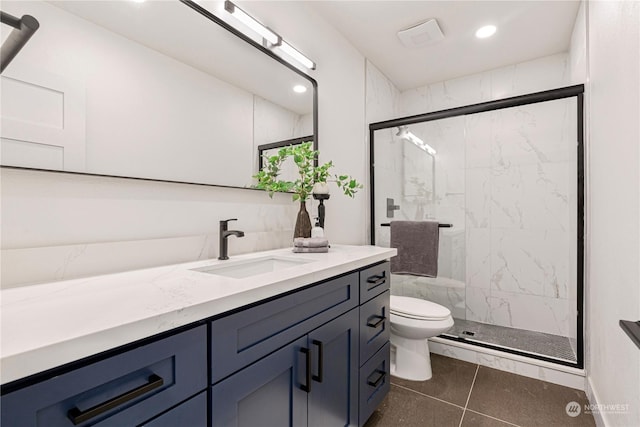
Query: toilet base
{"points": [[410, 359]]}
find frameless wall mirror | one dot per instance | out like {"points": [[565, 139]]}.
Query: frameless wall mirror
{"points": [[155, 90]]}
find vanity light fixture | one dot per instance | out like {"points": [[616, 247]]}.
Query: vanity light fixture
{"points": [[290, 51], [273, 40], [404, 133], [486, 31], [299, 89], [250, 22]]}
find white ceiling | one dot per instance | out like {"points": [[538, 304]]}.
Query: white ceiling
{"points": [[526, 30]]}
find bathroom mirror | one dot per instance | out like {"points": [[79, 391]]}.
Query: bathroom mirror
{"points": [[155, 90]]}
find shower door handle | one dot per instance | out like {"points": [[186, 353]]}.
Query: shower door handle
{"points": [[391, 207]]}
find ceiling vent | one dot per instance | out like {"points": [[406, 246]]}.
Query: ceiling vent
{"points": [[421, 35]]}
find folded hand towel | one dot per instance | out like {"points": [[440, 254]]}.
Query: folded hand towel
{"points": [[417, 244], [310, 242], [300, 250]]}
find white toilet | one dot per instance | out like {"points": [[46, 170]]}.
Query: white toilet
{"points": [[414, 320]]}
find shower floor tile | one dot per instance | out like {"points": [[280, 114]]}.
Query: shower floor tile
{"points": [[555, 346]]}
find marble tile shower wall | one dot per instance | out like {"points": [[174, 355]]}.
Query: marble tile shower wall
{"points": [[519, 236], [506, 180]]}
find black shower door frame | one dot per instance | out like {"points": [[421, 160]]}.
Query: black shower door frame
{"points": [[516, 101]]}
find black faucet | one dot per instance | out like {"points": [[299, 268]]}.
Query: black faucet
{"points": [[224, 234]]}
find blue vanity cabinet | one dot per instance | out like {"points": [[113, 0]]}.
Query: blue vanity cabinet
{"points": [[334, 373], [267, 393], [375, 330], [122, 390], [311, 381], [244, 337]]}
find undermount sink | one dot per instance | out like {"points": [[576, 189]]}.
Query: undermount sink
{"points": [[252, 267]]}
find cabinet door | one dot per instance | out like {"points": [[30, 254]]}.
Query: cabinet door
{"points": [[334, 387], [268, 393]]}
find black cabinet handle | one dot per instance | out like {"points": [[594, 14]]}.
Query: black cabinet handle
{"points": [[376, 323], [376, 280], [76, 416], [318, 377], [377, 381], [307, 354]]}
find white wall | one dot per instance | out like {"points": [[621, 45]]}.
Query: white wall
{"points": [[613, 263], [57, 226]]}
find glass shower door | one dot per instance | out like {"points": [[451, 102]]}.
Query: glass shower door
{"points": [[507, 182]]}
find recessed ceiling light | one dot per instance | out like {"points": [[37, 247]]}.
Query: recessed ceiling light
{"points": [[138, 1], [486, 31], [299, 89]]}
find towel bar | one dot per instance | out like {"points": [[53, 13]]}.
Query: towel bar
{"points": [[387, 224], [632, 329], [19, 36]]}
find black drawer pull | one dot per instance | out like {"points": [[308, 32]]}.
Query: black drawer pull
{"points": [[307, 355], [377, 323], [377, 381], [318, 377], [376, 280], [76, 416]]}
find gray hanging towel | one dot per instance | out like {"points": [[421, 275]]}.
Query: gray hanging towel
{"points": [[417, 244]]}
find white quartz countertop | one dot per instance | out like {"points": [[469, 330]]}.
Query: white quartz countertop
{"points": [[47, 325]]}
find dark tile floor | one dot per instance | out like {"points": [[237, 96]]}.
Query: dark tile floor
{"points": [[462, 394]]}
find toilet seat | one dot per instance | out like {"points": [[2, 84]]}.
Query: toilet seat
{"points": [[419, 309]]}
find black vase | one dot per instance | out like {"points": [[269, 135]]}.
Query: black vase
{"points": [[303, 223]]}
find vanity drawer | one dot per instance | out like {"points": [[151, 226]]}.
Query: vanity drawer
{"points": [[374, 325], [244, 337], [192, 413], [125, 389], [375, 382], [374, 280]]}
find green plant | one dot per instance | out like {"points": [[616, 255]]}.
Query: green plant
{"points": [[303, 156]]}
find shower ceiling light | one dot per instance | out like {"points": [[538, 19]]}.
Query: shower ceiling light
{"points": [[404, 133], [299, 89], [250, 22], [486, 31]]}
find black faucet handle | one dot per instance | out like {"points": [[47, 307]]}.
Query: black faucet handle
{"points": [[225, 222]]}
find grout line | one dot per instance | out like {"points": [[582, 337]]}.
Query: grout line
{"points": [[469, 395], [426, 395], [489, 416]]}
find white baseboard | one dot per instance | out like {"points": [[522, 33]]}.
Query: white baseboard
{"points": [[593, 399]]}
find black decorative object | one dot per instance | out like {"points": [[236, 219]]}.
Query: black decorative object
{"points": [[321, 198]]}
